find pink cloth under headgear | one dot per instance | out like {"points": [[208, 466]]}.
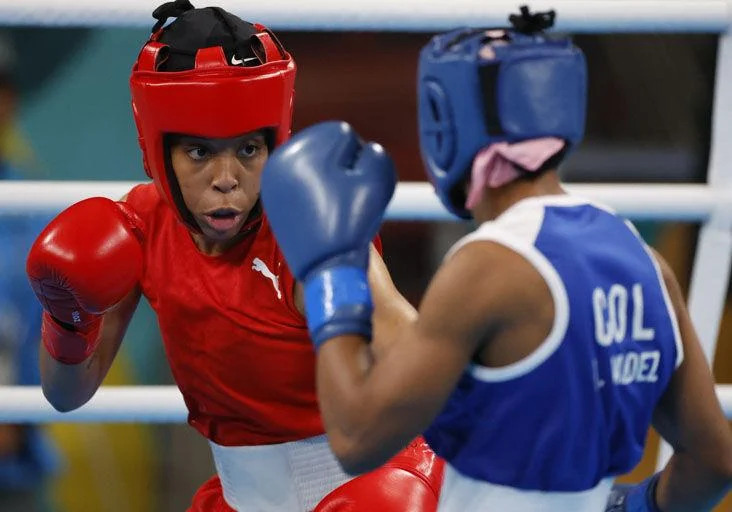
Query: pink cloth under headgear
{"points": [[493, 166]]}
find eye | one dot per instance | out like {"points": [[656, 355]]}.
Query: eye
{"points": [[249, 150], [197, 152]]}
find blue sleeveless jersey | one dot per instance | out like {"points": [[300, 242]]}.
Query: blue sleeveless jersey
{"points": [[577, 410]]}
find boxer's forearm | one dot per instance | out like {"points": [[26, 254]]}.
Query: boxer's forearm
{"points": [[69, 386], [688, 483], [352, 409], [373, 406]]}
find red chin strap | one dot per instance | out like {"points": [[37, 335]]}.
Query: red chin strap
{"points": [[213, 100]]}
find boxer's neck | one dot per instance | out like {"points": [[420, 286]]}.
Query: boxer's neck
{"points": [[495, 201]]}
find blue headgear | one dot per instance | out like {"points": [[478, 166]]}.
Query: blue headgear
{"points": [[473, 93]]}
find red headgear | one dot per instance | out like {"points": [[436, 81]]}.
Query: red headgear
{"points": [[214, 100]]}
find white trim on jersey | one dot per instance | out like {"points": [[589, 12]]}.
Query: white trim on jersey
{"points": [[521, 219], [518, 233], [461, 493], [666, 297], [565, 201]]}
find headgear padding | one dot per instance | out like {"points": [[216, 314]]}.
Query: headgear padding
{"points": [[227, 93], [477, 87]]}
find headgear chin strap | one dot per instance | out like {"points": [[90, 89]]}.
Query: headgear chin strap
{"points": [[215, 99], [478, 87]]}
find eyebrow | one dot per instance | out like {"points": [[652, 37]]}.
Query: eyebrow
{"points": [[192, 139]]}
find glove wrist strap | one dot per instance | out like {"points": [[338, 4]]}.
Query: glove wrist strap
{"points": [[634, 498], [69, 346], [338, 301]]}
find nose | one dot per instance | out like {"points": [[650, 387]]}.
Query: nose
{"points": [[225, 178]]}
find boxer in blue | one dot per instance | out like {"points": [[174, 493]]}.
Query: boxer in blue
{"points": [[552, 336]]}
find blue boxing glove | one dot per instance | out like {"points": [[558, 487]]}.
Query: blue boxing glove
{"points": [[634, 498], [325, 192]]}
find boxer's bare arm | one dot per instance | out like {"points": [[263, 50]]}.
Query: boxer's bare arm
{"points": [[688, 416], [392, 312], [372, 410], [68, 387]]}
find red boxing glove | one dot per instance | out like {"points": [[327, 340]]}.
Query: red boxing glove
{"points": [[409, 482], [86, 260]]}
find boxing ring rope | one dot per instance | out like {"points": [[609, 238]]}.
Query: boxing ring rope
{"points": [[135, 404], [417, 201], [710, 204], [412, 201], [405, 15]]}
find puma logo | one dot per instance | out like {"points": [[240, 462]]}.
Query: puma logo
{"points": [[259, 266]]}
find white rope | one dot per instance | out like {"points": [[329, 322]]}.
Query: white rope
{"points": [[410, 15], [136, 404], [416, 200], [111, 404]]}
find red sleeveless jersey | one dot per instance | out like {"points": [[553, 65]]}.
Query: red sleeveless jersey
{"points": [[238, 348]]}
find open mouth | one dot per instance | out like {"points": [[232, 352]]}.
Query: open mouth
{"points": [[223, 219]]}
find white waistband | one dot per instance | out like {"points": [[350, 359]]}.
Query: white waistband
{"points": [[461, 493], [285, 477]]}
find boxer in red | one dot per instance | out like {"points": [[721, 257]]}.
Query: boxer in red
{"points": [[212, 96]]}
